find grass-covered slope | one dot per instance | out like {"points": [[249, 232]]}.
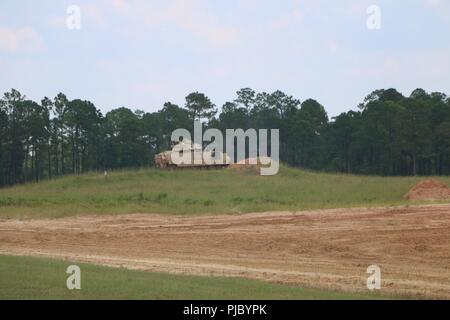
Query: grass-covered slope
{"points": [[36, 278], [189, 192]]}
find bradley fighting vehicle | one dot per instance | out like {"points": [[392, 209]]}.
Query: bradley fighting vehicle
{"points": [[208, 159]]}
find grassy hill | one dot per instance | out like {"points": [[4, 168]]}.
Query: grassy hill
{"points": [[198, 192]]}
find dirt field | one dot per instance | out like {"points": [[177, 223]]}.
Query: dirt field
{"points": [[329, 249]]}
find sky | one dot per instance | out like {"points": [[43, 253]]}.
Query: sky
{"points": [[142, 53]]}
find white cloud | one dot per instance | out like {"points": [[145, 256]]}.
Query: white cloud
{"points": [[94, 14], [425, 67], [441, 7], [192, 16], [26, 38], [90, 13], [248, 4], [152, 88], [58, 22], [433, 3], [333, 46], [289, 20]]}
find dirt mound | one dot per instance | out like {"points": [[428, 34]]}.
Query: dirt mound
{"points": [[429, 190], [250, 164], [246, 165]]}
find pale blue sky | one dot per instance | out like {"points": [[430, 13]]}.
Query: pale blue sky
{"points": [[141, 53]]}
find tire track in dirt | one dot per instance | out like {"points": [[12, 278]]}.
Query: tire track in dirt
{"points": [[329, 249]]}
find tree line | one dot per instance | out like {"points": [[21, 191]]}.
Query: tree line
{"points": [[390, 134]]}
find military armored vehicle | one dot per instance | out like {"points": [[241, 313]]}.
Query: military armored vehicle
{"points": [[191, 152]]}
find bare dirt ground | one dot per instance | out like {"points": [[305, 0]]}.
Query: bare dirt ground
{"points": [[329, 249]]}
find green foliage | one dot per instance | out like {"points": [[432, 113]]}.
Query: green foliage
{"points": [[393, 135], [199, 106], [390, 134]]}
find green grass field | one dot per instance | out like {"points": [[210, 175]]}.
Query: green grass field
{"points": [[198, 192], [37, 278], [178, 192]]}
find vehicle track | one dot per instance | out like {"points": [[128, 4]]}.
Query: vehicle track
{"points": [[329, 249]]}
